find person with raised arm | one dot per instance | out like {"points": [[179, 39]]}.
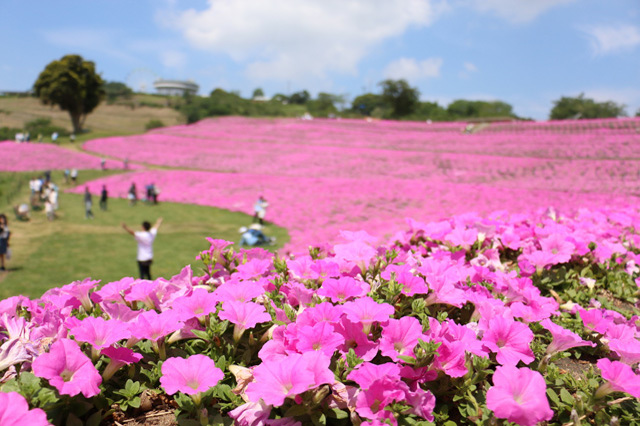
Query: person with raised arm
{"points": [[145, 239]]}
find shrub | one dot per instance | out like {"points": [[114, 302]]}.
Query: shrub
{"points": [[153, 124]]}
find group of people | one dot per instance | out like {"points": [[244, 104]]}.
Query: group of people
{"points": [[151, 192], [88, 201], [252, 235], [43, 191]]}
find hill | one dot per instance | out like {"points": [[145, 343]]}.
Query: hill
{"points": [[119, 118]]}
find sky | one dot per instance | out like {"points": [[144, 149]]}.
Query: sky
{"points": [[524, 52]]}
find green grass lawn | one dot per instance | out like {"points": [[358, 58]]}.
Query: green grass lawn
{"points": [[51, 254]]}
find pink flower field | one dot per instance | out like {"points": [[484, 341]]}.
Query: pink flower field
{"points": [[322, 176], [23, 157]]}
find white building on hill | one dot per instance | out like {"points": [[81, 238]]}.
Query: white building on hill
{"points": [[175, 87]]}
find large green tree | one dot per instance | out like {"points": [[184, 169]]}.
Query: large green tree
{"points": [[402, 98], [115, 90], [74, 85], [581, 107]]}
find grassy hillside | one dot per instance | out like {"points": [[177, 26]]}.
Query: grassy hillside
{"points": [[120, 118], [50, 254]]}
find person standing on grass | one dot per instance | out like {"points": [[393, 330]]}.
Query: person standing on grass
{"points": [[145, 240], [88, 204], [132, 195], [5, 234], [104, 195]]}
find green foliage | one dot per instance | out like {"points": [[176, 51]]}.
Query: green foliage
{"points": [[367, 103], [402, 98], [460, 109], [8, 133], [583, 108], [300, 98], [43, 126], [114, 90], [73, 84], [257, 93], [154, 124]]}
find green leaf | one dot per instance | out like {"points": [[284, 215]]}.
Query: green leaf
{"points": [[337, 413], [553, 396], [135, 402], [11, 386], [566, 397], [201, 334], [95, 419]]}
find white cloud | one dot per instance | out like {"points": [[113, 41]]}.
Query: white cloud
{"points": [[295, 39], [515, 11], [412, 70], [613, 39], [469, 67]]}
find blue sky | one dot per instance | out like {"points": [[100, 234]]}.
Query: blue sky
{"points": [[524, 52]]}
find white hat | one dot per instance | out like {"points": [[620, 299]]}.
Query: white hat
{"points": [[255, 226], [242, 229]]}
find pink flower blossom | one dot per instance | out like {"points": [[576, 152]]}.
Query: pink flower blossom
{"points": [[192, 375], [342, 289], [399, 337], [619, 376], [199, 304], [244, 291], [245, 315], [154, 326], [367, 373], [118, 358], [281, 378], [519, 395], [99, 332], [367, 311], [563, 339], [68, 369], [509, 340], [14, 411], [320, 337]]}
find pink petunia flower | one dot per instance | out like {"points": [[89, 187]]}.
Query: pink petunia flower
{"points": [[154, 326], [244, 291], [243, 315], [563, 339], [118, 358], [192, 375], [285, 377], [320, 337], [399, 337], [365, 310], [354, 338], [342, 289], [519, 395], [367, 373], [199, 304], [251, 414], [100, 333], [510, 341], [68, 369], [628, 350], [14, 411], [619, 376], [146, 292]]}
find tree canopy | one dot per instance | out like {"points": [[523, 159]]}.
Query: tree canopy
{"points": [[74, 85], [402, 98], [581, 108], [115, 89]]}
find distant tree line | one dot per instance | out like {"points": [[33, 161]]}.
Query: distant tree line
{"points": [[74, 85]]}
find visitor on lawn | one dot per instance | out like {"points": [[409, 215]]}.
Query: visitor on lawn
{"points": [[260, 210], [88, 204], [145, 239], [132, 194], [104, 195], [253, 236], [5, 234], [74, 175]]}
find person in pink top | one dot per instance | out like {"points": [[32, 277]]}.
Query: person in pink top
{"points": [[145, 239]]}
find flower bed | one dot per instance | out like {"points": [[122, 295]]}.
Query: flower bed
{"points": [[23, 157], [465, 320], [315, 209]]}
